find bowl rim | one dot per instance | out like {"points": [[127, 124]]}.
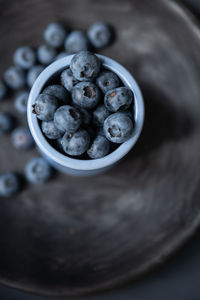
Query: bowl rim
{"points": [[78, 164]]}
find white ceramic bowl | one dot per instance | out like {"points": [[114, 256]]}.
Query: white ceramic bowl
{"points": [[76, 166]]}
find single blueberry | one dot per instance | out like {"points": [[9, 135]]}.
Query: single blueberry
{"points": [[85, 95], [118, 128], [85, 116], [21, 138], [99, 115], [76, 143], [6, 123], [45, 107], [118, 99], [15, 78], [3, 90], [67, 118], [85, 66], [33, 74], [107, 80], [61, 55], [100, 35], [37, 170], [50, 130], [55, 35], [9, 184], [46, 54], [99, 148], [68, 80], [57, 91], [21, 102], [24, 57], [76, 41]]}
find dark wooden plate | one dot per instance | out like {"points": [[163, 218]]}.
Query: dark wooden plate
{"points": [[75, 236]]}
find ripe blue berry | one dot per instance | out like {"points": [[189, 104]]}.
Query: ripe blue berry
{"points": [[50, 130], [76, 143], [118, 99], [21, 102], [100, 35], [76, 41], [85, 66], [38, 170], [15, 78], [61, 55], [46, 54], [67, 118], [118, 128], [6, 123], [33, 74], [45, 107], [21, 138], [24, 57], [68, 80], [99, 147], [99, 115], [57, 91], [85, 95], [3, 90], [9, 184], [85, 116], [107, 80], [54, 35]]}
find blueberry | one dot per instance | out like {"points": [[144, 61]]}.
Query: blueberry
{"points": [[6, 123], [15, 78], [107, 80], [100, 35], [100, 131], [76, 41], [59, 145], [37, 170], [57, 91], [99, 148], [9, 184], [45, 107], [3, 90], [85, 95], [21, 138], [46, 54], [85, 66], [76, 143], [99, 115], [67, 118], [118, 128], [61, 55], [33, 74], [85, 116], [50, 130], [21, 102], [24, 57], [55, 34], [118, 99], [68, 80]]}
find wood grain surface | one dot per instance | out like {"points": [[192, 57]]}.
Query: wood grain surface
{"points": [[76, 236]]}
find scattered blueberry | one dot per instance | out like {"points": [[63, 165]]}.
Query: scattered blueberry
{"points": [[85, 95], [67, 118], [118, 128], [57, 91], [6, 123], [21, 102], [24, 57], [46, 54], [85, 116], [118, 99], [76, 41], [61, 55], [50, 130], [99, 115], [21, 138], [15, 78], [76, 143], [3, 90], [85, 66], [33, 74], [54, 35], [9, 184], [100, 35], [37, 170], [107, 80], [68, 80], [99, 147], [45, 107]]}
